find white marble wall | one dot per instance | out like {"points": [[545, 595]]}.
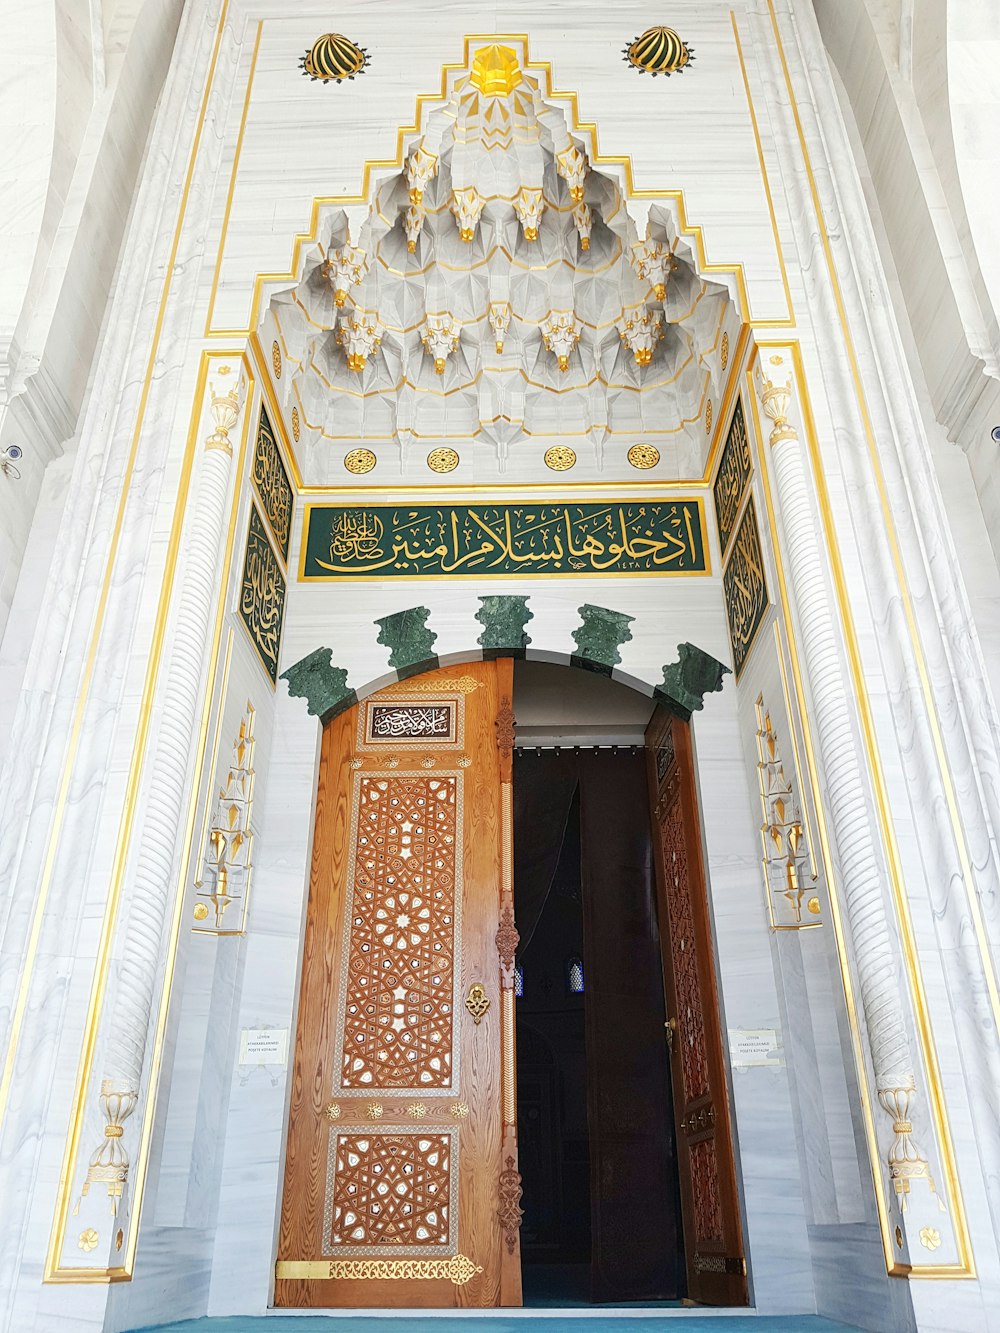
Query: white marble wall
{"points": [[206, 1240], [77, 99]]}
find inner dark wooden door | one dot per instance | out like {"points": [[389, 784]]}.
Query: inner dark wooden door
{"points": [[716, 1268], [597, 1132]]}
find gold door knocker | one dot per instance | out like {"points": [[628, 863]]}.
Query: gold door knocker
{"points": [[477, 1001], [671, 1027]]}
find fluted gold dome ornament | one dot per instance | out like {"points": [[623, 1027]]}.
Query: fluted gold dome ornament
{"points": [[659, 51], [334, 57]]}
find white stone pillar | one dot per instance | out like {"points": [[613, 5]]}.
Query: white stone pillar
{"points": [[133, 996], [859, 861]]}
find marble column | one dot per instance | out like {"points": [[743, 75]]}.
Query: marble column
{"points": [[142, 949], [860, 862]]}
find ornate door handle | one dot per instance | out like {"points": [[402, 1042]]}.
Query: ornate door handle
{"points": [[477, 1001], [671, 1028]]}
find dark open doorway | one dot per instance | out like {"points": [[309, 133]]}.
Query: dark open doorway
{"points": [[597, 1157]]}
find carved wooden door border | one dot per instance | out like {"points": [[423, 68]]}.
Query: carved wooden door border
{"points": [[713, 1234]]}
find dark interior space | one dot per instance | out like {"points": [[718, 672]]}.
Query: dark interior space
{"points": [[595, 1122]]}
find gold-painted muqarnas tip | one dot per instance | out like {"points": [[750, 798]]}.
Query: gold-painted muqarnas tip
{"points": [[495, 71]]}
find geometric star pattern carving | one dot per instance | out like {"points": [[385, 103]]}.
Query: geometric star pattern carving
{"points": [[399, 1000], [391, 1189]]}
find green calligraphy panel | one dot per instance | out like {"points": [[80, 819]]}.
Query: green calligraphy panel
{"points": [[745, 587], [494, 541], [262, 595], [732, 476], [271, 482]]}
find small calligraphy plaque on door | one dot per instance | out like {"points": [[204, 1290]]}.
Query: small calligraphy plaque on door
{"points": [[410, 722]]}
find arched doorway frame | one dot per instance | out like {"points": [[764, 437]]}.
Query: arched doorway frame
{"points": [[598, 639]]}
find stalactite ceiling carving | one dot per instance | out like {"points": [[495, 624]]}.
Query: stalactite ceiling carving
{"points": [[499, 297]]}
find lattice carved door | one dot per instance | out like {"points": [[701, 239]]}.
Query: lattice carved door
{"points": [[713, 1239], [396, 1165]]}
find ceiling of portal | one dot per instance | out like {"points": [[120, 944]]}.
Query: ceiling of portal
{"points": [[498, 316]]}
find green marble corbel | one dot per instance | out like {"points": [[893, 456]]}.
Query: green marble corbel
{"points": [[322, 685], [599, 638], [503, 620], [411, 643], [689, 679]]}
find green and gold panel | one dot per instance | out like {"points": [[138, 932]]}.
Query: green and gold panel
{"points": [[745, 588], [262, 594], [732, 476], [497, 541], [272, 485]]}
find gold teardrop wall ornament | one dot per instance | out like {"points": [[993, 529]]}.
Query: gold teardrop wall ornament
{"points": [[276, 359], [724, 355], [560, 458], [296, 426], [333, 58], [359, 461], [658, 51], [708, 417], [643, 455]]}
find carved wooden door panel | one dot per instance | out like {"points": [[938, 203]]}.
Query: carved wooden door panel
{"points": [[713, 1238], [393, 1174]]}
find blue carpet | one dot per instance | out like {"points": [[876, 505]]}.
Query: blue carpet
{"points": [[498, 1323]]}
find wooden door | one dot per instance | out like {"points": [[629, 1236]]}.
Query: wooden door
{"points": [[394, 1175], [716, 1269]]}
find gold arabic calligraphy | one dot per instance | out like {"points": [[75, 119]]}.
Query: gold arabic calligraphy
{"points": [[262, 594], [733, 474], [502, 539], [745, 587], [272, 484]]}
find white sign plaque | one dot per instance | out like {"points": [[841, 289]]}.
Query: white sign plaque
{"points": [[264, 1046], [753, 1048]]}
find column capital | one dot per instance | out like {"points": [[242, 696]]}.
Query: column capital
{"points": [[774, 381]]}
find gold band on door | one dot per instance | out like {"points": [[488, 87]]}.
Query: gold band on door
{"points": [[457, 1270]]}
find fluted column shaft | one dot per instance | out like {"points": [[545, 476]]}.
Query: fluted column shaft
{"points": [[860, 865], [142, 945], [849, 806]]}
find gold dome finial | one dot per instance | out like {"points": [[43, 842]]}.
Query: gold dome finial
{"points": [[659, 51], [495, 71]]}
